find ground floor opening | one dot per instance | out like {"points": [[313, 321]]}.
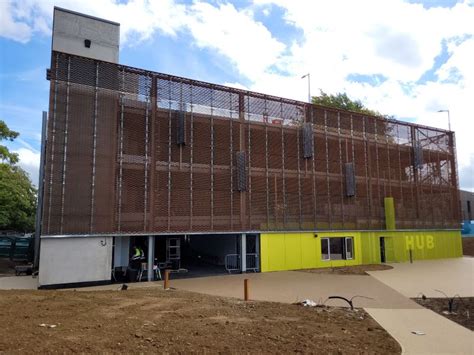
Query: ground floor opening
{"points": [[185, 256]]}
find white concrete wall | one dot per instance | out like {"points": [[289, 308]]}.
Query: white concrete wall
{"points": [[122, 251], [71, 29], [71, 260]]}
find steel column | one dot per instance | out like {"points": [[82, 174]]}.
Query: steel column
{"points": [[120, 177], [151, 258], [39, 206], [52, 142], [63, 188], [94, 148], [243, 252], [329, 208]]}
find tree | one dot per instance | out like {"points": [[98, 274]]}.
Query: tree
{"points": [[17, 199], [7, 134], [17, 194], [343, 102]]}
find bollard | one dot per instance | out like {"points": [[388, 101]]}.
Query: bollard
{"points": [[411, 256], [167, 279], [246, 289]]}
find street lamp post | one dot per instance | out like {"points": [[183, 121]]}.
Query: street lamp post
{"points": [[449, 119], [309, 85]]}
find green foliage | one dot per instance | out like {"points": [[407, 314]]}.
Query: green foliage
{"points": [[7, 134], [17, 194], [17, 199], [343, 102]]}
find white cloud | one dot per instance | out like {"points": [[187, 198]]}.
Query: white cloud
{"points": [[139, 19], [29, 161], [235, 34], [393, 38], [10, 27]]}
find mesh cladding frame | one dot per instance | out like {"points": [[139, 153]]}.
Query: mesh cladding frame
{"points": [[133, 151]]}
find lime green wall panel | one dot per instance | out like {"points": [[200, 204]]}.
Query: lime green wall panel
{"points": [[389, 213], [276, 252], [310, 253], [291, 251]]}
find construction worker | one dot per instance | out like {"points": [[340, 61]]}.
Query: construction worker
{"points": [[136, 258], [137, 253]]}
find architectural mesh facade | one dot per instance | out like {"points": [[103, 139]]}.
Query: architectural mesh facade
{"points": [[133, 151]]}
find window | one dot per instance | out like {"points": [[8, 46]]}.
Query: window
{"points": [[325, 248], [337, 248], [349, 248]]}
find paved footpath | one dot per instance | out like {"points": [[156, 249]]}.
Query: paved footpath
{"points": [[390, 290], [18, 283], [442, 336], [452, 276], [293, 286]]}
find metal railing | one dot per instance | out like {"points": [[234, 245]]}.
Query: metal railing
{"points": [[252, 262], [232, 262]]}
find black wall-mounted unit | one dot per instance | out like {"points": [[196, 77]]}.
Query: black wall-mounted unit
{"points": [[241, 161], [180, 128], [350, 180], [308, 140]]}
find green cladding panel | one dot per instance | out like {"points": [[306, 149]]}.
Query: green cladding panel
{"points": [[291, 251], [389, 213]]}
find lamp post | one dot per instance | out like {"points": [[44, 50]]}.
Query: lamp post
{"points": [[449, 118], [309, 85]]}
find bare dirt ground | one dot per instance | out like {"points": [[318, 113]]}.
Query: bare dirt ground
{"points": [[349, 270], [153, 320], [468, 246], [463, 309]]}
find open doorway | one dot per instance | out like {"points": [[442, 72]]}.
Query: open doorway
{"points": [[184, 255], [129, 252], [382, 250], [204, 255]]}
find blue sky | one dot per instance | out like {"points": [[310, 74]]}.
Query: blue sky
{"points": [[403, 58]]}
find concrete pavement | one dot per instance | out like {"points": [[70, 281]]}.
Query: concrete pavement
{"points": [[442, 336], [452, 276], [293, 286], [395, 312], [18, 283]]}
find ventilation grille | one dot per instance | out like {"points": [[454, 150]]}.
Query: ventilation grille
{"points": [[241, 171], [350, 180], [308, 140], [180, 128]]}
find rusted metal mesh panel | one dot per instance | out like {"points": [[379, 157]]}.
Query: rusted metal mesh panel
{"points": [[133, 151]]}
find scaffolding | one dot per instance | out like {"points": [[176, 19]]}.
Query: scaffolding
{"points": [[134, 151]]}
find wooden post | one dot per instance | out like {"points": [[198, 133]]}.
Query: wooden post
{"points": [[167, 279], [246, 289]]}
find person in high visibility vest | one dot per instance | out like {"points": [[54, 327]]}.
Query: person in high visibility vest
{"points": [[137, 253]]}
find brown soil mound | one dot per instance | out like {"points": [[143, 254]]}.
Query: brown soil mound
{"points": [[462, 311], [153, 320], [349, 270]]}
